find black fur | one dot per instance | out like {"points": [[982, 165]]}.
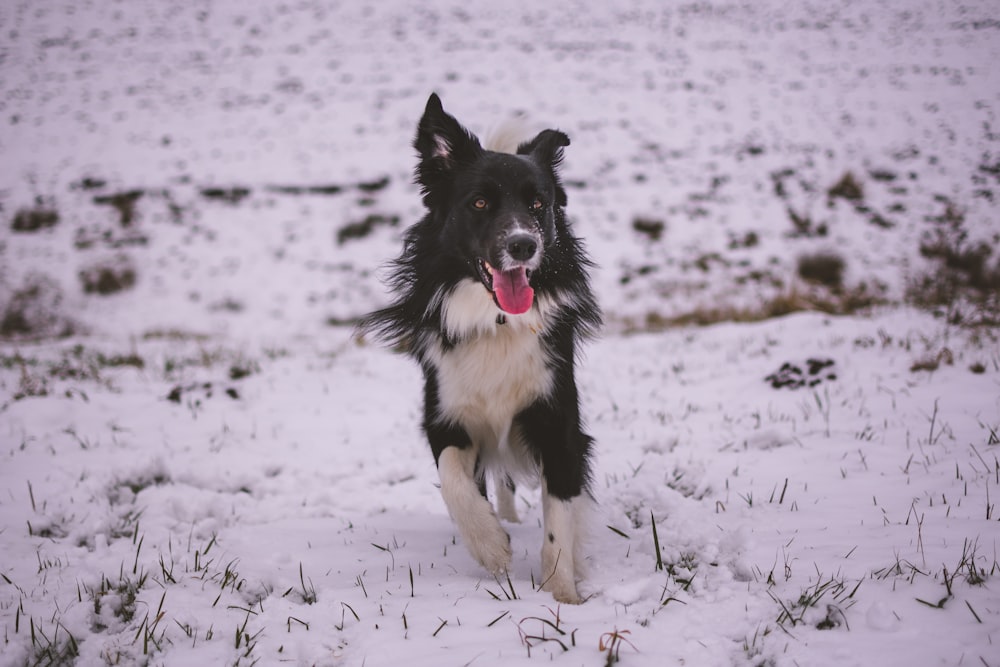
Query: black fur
{"points": [[451, 244]]}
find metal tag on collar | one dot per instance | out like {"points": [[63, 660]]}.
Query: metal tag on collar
{"points": [[501, 319]]}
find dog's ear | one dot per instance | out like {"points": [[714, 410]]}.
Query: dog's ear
{"points": [[547, 150], [442, 143]]}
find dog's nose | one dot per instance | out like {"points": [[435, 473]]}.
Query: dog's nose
{"points": [[522, 247]]}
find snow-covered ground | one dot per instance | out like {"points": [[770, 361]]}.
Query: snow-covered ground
{"points": [[199, 464]]}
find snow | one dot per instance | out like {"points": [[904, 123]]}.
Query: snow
{"points": [[211, 469]]}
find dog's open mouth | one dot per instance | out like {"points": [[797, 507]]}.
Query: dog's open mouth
{"points": [[510, 289]]}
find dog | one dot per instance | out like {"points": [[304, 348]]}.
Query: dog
{"points": [[492, 298]]}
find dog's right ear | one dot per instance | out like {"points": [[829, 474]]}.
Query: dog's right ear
{"points": [[442, 143]]}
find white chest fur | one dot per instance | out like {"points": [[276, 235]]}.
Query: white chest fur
{"points": [[496, 370]]}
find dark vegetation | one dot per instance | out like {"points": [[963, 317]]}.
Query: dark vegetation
{"points": [[123, 202], [793, 376], [649, 227], [364, 227], [42, 216], [232, 195], [108, 277], [961, 282], [32, 311], [824, 268]]}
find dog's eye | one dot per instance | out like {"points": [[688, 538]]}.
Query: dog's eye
{"points": [[480, 204], [537, 204]]}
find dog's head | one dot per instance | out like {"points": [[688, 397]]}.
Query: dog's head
{"points": [[496, 212]]}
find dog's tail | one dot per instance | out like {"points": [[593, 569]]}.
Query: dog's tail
{"points": [[508, 134]]}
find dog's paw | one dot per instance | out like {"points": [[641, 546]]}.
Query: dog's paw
{"points": [[489, 544], [563, 591], [559, 575]]}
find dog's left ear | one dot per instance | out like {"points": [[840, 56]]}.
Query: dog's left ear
{"points": [[547, 150]]}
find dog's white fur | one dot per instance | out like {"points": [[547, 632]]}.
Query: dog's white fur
{"points": [[481, 531], [493, 371], [505, 500], [560, 546], [491, 375]]}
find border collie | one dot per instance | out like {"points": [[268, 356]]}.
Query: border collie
{"points": [[491, 298]]}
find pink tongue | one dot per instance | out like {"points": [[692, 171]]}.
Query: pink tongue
{"points": [[512, 290]]}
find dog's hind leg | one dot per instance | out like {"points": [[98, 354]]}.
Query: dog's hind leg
{"points": [[504, 487], [479, 526]]}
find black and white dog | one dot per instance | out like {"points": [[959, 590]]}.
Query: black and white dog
{"points": [[492, 298]]}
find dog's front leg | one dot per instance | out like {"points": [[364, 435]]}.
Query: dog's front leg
{"points": [[560, 546], [479, 526], [551, 428]]}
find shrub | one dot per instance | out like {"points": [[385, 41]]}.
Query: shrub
{"points": [[961, 283], [649, 227], [124, 203], [108, 277], [846, 188], [825, 268], [359, 230], [29, 220], [32, 311]]}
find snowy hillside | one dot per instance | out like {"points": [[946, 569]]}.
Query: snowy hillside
{"points": [[796, 398]]}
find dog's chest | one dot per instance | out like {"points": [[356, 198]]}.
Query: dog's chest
{"points": [[486, 380]]}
